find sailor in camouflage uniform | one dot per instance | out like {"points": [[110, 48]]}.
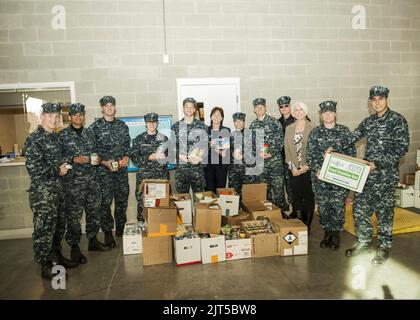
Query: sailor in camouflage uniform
{"points": [[45, 168], [188, 144], [387, 142], [331, 198], [273, 170], [112, 140], [148, 154], [237, 167], [81, 184], [286, 118]]}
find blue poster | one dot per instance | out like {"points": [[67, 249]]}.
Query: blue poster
{"points": [[137, 126]]}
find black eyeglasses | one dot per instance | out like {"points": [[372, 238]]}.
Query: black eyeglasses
{"points": [[283, 106]]}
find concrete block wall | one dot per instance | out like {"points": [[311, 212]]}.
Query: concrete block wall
{"points": [[303, 48]]}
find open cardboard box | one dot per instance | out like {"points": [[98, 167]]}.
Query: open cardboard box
{"points": [[229, 201], [263, 244], [184, 204], [253, 198]]}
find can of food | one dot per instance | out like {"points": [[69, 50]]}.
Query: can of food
{"points": [[266, 148], [114, 165], [94, 159]]}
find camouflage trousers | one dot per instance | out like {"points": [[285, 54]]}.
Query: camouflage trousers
{"points": [[114, 186], [187, 175], [288, 184], [49, 220], [237, 178], [273, 175], [331, 201], [82, 194], [378, 196], [140, 176]]}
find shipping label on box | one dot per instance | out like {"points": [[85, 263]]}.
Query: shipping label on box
{"points": [[132, 242], [404, 198], [293, 237], [187, 251], [238, 249], [344, 171], [213, 250], [155, 193], [184, 205], [157, 250], [160, 221]]}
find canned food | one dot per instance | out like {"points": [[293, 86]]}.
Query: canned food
{"points": [[114, 165], [94, 159], [266, 148]]}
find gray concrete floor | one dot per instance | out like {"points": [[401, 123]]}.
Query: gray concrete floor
{"points": [[323, 274]]}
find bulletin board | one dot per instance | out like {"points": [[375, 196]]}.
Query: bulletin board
{"points": [[136, 126]]}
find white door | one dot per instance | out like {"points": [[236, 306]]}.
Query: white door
{"points": [[212, 92]]}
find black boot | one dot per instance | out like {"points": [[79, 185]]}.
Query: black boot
{"points": [[59, 259], [119, 231], [46, 271], [335, 240], [325, 243], [109, 240], [381, 256], [76, 255], [95, 245]]}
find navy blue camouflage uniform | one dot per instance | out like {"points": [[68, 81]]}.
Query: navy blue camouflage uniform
{"points": [[43, 160], [143, 146], [273, 171], [81, 185], [112, 142], [387, 142], [331, 198]]}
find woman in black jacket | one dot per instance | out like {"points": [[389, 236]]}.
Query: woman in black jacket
{"points": [[218, 155]]}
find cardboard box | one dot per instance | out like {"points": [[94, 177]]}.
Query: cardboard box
{"points": [[132, 238], [187, 251], [418, 158], [417, 198], [293, 237], [238, 249], [264, 244], [160, 221], [344, 171], [213, 249], [208, 218], [236, 220], [228, 201], [404, 198], [157, 250], [156, 193], [184, 207], [409, 179], [253, 199]]}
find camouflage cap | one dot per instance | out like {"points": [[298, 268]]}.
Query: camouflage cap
{"points": [[51, 107], [76, 108], [328, 106], [107, 99], [151, 117], [239, 116], [283, 100], [259, 101], [189, 99], [378, 91]]}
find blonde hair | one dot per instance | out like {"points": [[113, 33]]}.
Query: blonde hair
{"points": [[303, 106]]}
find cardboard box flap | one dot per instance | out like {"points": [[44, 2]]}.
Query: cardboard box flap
{"points": [[254, 192], [213, 205], [254, 205]]}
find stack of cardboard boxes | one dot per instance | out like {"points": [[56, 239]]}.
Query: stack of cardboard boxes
{"points": [[209, 228], [408, 192]]}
